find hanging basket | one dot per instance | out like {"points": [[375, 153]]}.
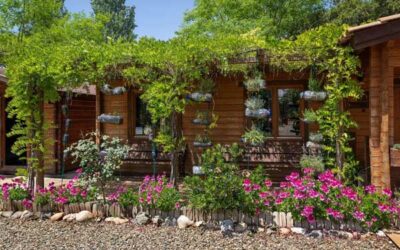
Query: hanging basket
{"points": [[259, 113], [310, 95], [202, 144], [200, 97], [113, 91], [112, 119], [313, 145], [198, 121], [198, 170]]}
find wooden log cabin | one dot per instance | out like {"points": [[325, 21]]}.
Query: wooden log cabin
{"points": [[281, 152], [82, 120], [377, 114], [378, 117]]}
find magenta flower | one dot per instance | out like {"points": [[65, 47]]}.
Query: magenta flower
{"points": [[334, 213], [268, 183], [256, 187], [370, 189], [308, 171], [359, 215], [293, 176], [387, 192], [79, 171]]}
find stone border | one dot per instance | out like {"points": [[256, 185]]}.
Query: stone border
{"points": [[264, 219]]}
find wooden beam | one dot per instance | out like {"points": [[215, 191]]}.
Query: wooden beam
{"points": [[98, 113]]}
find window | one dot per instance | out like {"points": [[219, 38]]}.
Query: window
{"points": [[285, 106], [289, 107], [143, 118]]}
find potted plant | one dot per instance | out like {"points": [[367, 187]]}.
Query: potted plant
{"points": [[255, 84], [202, 141], [202, 118], [254, 137], [314, 92], [113, 119], [255, 108], [204, 91], [395, 155]]}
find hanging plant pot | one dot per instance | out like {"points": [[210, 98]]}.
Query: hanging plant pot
{"points": [[202, 144], [310, 95], [200, 97], [113, 119], [198, 170], [113, 91], [258, 113], [199, 121], [254, 85], [315, 137], [313, 145]]}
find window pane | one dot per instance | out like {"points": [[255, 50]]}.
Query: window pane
{"points": [[289, 106], [142, 117], [266, 124]]}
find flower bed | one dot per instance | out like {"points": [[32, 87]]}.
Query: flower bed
{"points": [[302, 200]]}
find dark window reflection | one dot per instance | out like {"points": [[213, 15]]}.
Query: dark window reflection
{"points": [[289, 106]]}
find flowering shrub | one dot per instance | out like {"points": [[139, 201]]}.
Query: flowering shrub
{"points": [[98, 164], [16, 191], [124, 197], [327, 198], [157, 192]]}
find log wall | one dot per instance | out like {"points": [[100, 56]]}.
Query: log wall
{"points": [[2, 124]]}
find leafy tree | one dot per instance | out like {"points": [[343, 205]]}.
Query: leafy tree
{"points": [[273, 18], [354, 12], [121, 18]]}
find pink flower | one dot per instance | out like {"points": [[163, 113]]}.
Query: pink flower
{"points": [[267, 203], [371, 189], [79, 171], [27, 203], [387, 192], [177, 205], [299, 195], [256, 187], [308, 171], [325, 188], [307, 212], [359, 215], [284, 195], [61, 200], [293, 176], [2, 178], [262, 195], [246, 182], [268, 183], [384, 208], [349, 193], [284, 184], [313, 194], [335, 214]]}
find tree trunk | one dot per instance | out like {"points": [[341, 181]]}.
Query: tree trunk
{"points": [[177, 134], [40, 152]]}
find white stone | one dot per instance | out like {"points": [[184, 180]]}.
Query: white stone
{"points": [[16, 215], [298, 230], [26, 215], [284, 230], [84, 216], [345, 235], [142, 219], [380, 233], [69, 217], [315, 234], [156, 220], [184, 222], [226, 227], [116, 220], [57, 216], [198, 223], [260, 230], [7, 214]]}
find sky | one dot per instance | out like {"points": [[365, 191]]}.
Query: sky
{"points": [[156, 18]]}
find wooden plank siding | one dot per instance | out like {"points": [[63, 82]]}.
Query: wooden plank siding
{"points": [[2, 124]]}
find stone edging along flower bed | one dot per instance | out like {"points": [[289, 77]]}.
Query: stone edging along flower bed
{"points": [[264, 219]]}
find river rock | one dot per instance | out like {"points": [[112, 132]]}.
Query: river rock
{"points": [[142, 219], [156, 220], [169, 222], [298, 230], [284, 231], [270, 231], [317, 234], [345, 235], [7, 214], [84, 216], [116, 220], [57, 216], [227, 227], [380, 233], [69, 217], [16, 215], [198, 223], [184, 222], [26, 215]]}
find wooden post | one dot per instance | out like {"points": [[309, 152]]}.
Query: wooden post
{"points": [[98, 113]]}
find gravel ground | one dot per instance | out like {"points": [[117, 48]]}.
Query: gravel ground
{"points": [[17, 234]]}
